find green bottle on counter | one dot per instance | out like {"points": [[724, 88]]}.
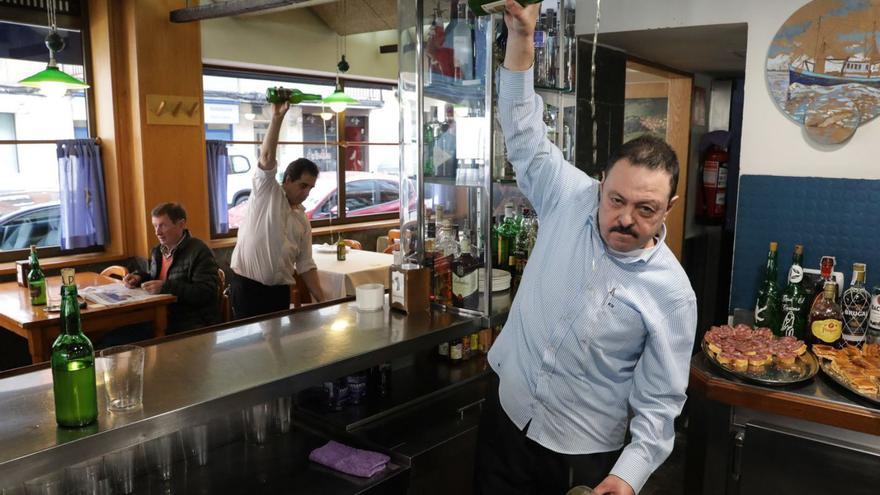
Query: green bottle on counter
{"points": [[767, 305], [793, 321], [73, 363], [36, 280]]}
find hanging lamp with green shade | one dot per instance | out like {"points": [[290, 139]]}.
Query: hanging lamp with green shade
{"points": [[338, 101], [53, 81]]}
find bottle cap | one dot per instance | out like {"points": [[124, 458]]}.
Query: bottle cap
{"points": [[859, 267], [773, 246], [798, 249]]}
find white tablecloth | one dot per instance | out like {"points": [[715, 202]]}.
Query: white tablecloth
{"points": [[339, 278]]}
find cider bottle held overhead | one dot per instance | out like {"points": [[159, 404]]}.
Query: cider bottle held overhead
{"points": [[36, 280], [73, 363], [767, 304], [294, 96], [826, 318]]}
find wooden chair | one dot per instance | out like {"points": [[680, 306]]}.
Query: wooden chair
{"points": [[299, 293], [382, 242], [393, 234], [353, 243], [223, 294], [115, 271]]}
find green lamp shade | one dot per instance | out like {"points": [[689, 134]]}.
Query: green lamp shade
{"points": [[339, 100], [53, 76]]}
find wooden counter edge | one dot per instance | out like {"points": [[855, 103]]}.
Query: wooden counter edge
{"points": [[784, 404]]}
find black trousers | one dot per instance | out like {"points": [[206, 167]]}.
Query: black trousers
{"points": [[510, 463], [251, 298]]}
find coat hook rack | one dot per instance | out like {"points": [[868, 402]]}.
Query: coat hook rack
{"points": [[173, 110]]}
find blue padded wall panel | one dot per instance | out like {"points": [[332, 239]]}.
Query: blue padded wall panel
{"points": [[834, 217]]}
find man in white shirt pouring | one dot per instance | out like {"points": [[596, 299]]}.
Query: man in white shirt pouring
{"points": [[275, 239]]}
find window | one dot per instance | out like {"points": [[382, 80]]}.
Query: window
{"points": [[30, 123], [358, 148]]}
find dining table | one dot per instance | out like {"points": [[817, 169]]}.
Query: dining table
{"points": [[340, 278], [40, 325]]}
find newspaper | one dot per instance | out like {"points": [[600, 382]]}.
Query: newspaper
{"points": [[114, 294]]}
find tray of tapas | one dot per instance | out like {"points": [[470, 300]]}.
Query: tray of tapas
{"points": [[856, 369], [756, 355]]}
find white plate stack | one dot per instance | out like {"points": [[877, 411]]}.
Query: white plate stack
{"points": [[500, 280]]}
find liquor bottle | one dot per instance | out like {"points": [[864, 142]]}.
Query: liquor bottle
{"points": [[826, 318], [503, 232], [486, 7], [341, 248], [294, 96], [445, 252], [445, 157], [826, 269], [465, 347], [36, 280], [73, 363], [465, 286], [520, 257], [475, 344], [463, 45], [793, 320], [539, 41], [873, 334], [551, 51], [455, 348], [429, 143], [767, 305], [856, 304]]}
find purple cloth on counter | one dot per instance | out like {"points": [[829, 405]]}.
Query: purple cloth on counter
{"points": [[349, 460]]}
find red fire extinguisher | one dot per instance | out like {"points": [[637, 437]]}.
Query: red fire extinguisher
{"points": [[713, 199]]}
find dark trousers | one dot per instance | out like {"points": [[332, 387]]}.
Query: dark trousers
{"points": [[510, 463], [251, 298]]}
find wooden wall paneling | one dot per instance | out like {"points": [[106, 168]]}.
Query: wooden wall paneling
{"points": [[172, 158], [110, 100], [678, 136]]}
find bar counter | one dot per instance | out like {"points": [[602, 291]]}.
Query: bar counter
{"points": [[194, 378], [745, 438]]}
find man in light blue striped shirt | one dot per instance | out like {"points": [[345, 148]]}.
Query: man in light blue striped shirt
{"points": [[602, 327]]}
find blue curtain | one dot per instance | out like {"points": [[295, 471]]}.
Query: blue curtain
{"points": [[218, 168], [83, 202]]}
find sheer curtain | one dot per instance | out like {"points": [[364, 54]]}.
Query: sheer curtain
{"points": [[83, 202], [218, 168]]}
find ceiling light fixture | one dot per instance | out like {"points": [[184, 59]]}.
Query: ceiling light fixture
{"points": [[52, 81]]}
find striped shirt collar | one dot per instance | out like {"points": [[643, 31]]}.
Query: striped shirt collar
{"points": [[168, 252]]}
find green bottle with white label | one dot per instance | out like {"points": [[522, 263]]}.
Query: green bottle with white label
{"points": [[794, 311], [36, 280]]}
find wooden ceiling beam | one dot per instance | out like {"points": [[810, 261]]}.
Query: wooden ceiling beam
{"points": [[234, 8]]}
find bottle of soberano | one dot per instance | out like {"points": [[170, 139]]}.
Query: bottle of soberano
{"points": [[294, 96], [486, 7], [73, 363], [36, 280]]}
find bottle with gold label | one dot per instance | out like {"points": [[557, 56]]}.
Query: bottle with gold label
{"points": [[341, 248], [826, 318]]}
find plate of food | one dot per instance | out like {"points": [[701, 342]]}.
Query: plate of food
{"points": [[857, 370], [756, 355]]}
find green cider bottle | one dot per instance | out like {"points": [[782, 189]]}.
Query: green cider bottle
{"points": [[36, 280], [487, 7], [793, 320], [767, 305], [73, 363], [294, 96]]}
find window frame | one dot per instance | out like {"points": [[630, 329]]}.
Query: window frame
{"points": [[76, 18], [341, 143]]}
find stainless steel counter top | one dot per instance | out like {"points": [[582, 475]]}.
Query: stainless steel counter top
{"points": [[193, 379]]}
